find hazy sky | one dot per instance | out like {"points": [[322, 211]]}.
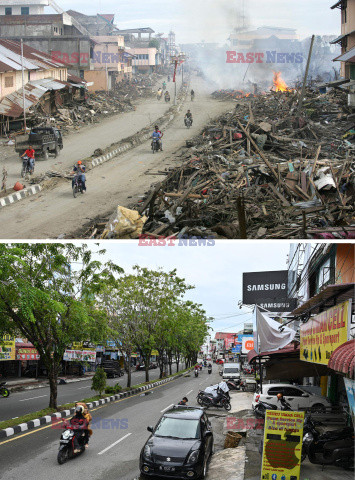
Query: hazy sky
{"points": [[215, 271], [213, 20]]}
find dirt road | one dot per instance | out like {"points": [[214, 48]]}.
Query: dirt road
{"points": [[83, 143], [121, 181]]}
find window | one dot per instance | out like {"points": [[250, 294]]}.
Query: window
{"points": [[276, 390], [178, 428], [292, 392], [25, 10], [9, 82], [8, 10]]}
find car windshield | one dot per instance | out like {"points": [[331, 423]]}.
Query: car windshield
{"points": [[178, 428], [231, 370]]}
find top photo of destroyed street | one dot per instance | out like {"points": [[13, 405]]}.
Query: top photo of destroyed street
{"points": [[167, 120]]}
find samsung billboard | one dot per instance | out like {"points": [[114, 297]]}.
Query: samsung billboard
{"points": [[268, 290]]}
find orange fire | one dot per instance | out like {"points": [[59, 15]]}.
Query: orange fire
{"points": [[279, 84]]}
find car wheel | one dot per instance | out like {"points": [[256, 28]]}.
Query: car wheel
{"points": [[318, 408]]}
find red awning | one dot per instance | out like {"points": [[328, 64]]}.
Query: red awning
{"points": [[343, 359], [290, 348]]}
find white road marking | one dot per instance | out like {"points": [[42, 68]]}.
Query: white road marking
{"points": [[189, 392], [118, 441], [167, 408], [33, 398], [81, 388]]}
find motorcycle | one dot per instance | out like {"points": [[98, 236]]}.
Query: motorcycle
{"points": [[196, 373], [167, 98], [210, 370], [78, 186], [261, 407], [155, 145], [192, 97], [334, 447], [221, 400], [159, 95], [26, 167], [4, 392], [188, 122], [234, 384], [66, 446]]}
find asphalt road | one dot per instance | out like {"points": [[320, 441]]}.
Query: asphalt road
{"points": [[121, 181], [113, 453], [29, 401]]}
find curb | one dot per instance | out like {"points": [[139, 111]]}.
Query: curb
{"points": [[34, 189], [143, 138], [57, 416], [20, 388], [15, 197]]}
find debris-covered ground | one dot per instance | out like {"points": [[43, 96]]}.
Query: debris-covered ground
{"points": [[263, 171], [81, 111]]}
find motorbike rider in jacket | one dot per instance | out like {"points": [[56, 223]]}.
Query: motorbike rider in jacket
{"points": [[79, 423]]}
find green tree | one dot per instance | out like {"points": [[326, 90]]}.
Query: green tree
{"points": [[99, 381], [48, 294], [154, 43]]}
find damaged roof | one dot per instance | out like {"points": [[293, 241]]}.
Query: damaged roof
{"points": [[10, 57], [12, 105]]}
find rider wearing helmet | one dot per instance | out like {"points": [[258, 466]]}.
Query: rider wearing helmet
{"points": [[80, 169], [79, 424]]}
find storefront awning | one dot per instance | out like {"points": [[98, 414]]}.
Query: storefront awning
{"points": [[325, 298], [288, 350], [343, 359]]}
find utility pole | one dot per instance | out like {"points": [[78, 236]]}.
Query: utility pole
{"points": [[300, 101], [23, 89]]}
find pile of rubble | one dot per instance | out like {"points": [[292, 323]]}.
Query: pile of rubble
{"points": [[263, 171], [97, 105]]}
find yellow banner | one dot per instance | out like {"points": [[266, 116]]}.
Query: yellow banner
{"points": [[282, 447], [325, 332], [155, 352], [7, 348], [77, 345]]}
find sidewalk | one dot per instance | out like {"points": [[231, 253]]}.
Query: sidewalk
{"points": [[21, 384], [229, 464]]}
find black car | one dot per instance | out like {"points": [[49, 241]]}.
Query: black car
{"points": [[180, 445]]}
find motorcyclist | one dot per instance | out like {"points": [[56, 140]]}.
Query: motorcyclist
{"points": [[88, 418], [164, 85], [188, 115], [79, 423], [79, 169], [192, 93], [159, 94], [284, 404], [167, 96], [168, 78], [30, 154], [157, 135], [183, 401]]}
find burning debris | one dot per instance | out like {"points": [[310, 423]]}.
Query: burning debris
{"points": [[263, 172]]}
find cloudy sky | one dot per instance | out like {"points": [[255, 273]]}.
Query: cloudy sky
{"points": [[215, 271], [213, 20]]}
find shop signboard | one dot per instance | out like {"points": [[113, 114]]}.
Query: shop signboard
{"points": [[247, 345], [282, 449], [325, 332], [80, 356], [268, 290], [7, 348], [26, 353]]}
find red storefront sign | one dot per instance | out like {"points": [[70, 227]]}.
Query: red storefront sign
{"points": [[27, 353]]}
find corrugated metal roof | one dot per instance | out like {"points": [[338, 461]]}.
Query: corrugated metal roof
{"points": [[12, 105], [10, 55], [346, 57], [343, 359]]}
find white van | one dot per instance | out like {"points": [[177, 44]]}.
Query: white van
{"points": [[231, 371]]}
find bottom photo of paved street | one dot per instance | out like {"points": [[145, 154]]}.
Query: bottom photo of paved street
{"points": [[223, 360]]}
